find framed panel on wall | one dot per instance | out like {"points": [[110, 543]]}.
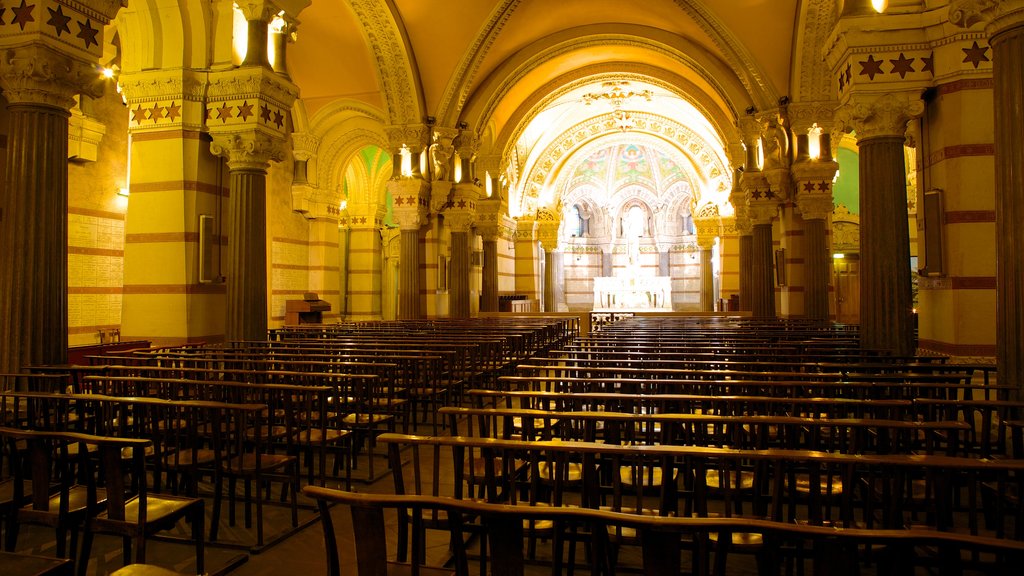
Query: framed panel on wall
{"points": [[932, 264]]}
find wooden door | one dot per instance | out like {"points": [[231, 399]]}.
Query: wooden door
{"points": [[847, 290]]}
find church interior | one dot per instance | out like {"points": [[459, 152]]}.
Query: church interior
{"points": [[207, 175]]}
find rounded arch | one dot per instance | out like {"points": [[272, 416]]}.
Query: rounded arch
{"points": [[183, 35], [720, 90], [397, 72], [704, 160], [331, 139]]}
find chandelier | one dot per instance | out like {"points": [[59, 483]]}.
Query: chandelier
{"points": [[617, 93]]}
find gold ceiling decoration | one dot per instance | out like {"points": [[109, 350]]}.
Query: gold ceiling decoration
{"points": [[618, 93]]}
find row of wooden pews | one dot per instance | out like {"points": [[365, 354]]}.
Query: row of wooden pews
{"points": [[778, 421], [304, 407]]}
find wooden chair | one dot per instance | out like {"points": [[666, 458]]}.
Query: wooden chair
{"points": [[237, 435], [53, 463], [136, 517], [835, 551]]}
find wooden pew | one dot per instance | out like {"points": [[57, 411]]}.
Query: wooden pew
{"points": [[662, 539]]}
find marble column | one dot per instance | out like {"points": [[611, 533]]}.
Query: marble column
{"points": [[459, 267], [762, 208], [489, 299], [886, 312], [746, 243], [33, 263], [814, 199], [1004, 24], [38, 84], [707, 280], [550, 305], [708, 224], [249, 156], [409, 274], [664, 262], [459, 216], [762, 278], [1008, 72]]}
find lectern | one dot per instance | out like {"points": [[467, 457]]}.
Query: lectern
{"points": [[309, 310]]}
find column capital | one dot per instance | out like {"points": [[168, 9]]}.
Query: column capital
{"points": [[162, 99], [249, 97], [708, 223], [758, 188], [881, 116], [250, 150], [361, 217], [461, 209], [265, 10], [411, 198], [415, 136], [526, 229], [804, 115], [548, 221], [996, 15], [39, 74], [492, 224]]}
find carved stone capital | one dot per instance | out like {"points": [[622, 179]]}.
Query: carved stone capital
{"points": [[461, 211], [39, 74], [248, 150], [762, 211], [526, 229], [411, 198], [304, 145], [756, 187], [158, 99], [362, 217], [548, 221], [996, 15], [804, 115], [814, 206], [250, 96], [707, 230], [886, 115], [415, 136]]}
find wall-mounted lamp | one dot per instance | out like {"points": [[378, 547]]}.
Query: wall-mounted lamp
{"points": [[122, 192], [838, 256]]}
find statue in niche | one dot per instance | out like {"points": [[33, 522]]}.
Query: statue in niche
{"points": [[440, 158], [775, 144], [633, 224]]}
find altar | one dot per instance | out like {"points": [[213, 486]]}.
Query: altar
{"points": [[633, 293]]}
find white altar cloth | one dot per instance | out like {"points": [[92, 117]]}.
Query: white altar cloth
{"points": [[633, 293]]}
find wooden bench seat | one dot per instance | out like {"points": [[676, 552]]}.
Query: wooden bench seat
{"points": [[662, 539]]}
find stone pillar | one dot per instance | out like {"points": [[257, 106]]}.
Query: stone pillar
{"points": [[489, 299], [490, 224], [526, 267], [708, 228], [39, 77], [364, 276], [547, 223], [814, 199], [746, 255], [324, 274], [459, 306], [459, 215], [886, 313], [762, 209], [1004, 24], [249, 156], [665, 262], [410, 210], [744, 242]]}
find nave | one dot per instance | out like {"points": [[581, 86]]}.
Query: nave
{"points": [[779, 431]]}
